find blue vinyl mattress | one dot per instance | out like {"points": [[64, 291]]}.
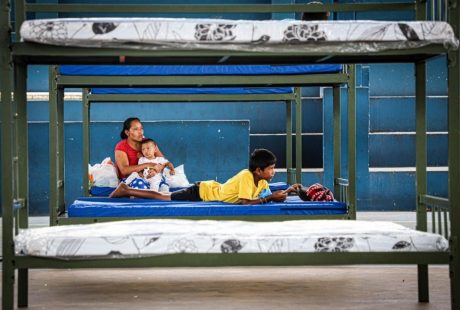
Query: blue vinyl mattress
{"points": [[194, 70], [146, 70], [194, 90], [125, 207]]}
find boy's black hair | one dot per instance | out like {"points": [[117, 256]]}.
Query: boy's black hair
{"points": [[127, 126], [147, 140], [261, 158], [315, 15]]}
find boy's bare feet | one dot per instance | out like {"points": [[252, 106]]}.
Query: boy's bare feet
{"points": [[120, 191]]}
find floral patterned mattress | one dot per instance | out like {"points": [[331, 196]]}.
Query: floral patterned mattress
{"points": [[168, 236], [246, 35]]}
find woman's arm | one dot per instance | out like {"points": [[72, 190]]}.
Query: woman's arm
{"points": [[158, 152]]}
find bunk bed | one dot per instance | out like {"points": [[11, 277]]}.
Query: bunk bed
{"points": [[131, 83], [410, 47]]}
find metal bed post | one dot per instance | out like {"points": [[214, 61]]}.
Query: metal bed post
{"points": [[336, 144], [290, 177], [21, 157], [298, 134], [421, 155], [22, 173], [85, 139], [421, 168], [56, 147], [351, 142], [6, 113], [454, 158]]}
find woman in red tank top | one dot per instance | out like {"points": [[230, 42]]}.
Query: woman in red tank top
{"points": [[128, 150]]}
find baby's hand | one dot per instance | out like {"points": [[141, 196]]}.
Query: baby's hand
{"points": [[172, 171], [151, 173], [155, 167]]}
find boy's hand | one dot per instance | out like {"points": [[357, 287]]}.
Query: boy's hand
{"points": [[172, 171], [279, 196], [293, 188]]}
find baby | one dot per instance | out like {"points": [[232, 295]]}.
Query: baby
{"points": [[154, 175]]}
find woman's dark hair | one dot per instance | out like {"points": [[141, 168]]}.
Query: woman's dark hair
{"points": [[127, 126], [261, 158], [315, 15]]}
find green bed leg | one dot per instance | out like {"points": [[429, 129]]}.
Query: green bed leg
{"points": [[86, 139], [22, 174], [421, 169], [337, 146], [56, 147], [23, 287], [53, 156], [6, 114], [289, 171], [352, 142], [421, 155], [298, 134], [423, 281], [454, 159]]}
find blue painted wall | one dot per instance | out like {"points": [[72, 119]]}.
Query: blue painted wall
{"points": [[223, 151]]}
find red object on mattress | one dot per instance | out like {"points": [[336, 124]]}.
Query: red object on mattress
{"points": [[316, 192]]}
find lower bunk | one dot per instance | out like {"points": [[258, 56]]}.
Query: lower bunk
{"points": [[102, 209], [191, 243]]}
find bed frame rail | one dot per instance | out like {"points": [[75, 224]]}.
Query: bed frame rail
{"points": [[341, 189], [439, 208]]}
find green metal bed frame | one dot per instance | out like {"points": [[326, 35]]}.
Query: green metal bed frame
{"points": [[15, 56], [59, 82]]}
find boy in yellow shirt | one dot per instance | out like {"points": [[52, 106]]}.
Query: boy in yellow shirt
{"points": [[249, 186]]}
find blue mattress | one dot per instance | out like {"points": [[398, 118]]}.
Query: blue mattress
{"points": [[196, 90], [137, 70], [125, 207]]}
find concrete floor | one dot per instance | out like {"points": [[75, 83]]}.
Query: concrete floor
{"points": [[358, 287], [346, 287]]}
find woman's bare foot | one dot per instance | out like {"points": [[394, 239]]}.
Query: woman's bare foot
{"points": [[124, 190], [120, 191]]}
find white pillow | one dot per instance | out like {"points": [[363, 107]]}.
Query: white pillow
{"points": [[179, 179]]}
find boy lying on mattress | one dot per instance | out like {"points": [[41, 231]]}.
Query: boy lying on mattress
{"points": [[249, 186]]}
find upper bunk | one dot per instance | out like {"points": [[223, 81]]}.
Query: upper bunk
{"points": [[257, 79], [225, 41]]}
